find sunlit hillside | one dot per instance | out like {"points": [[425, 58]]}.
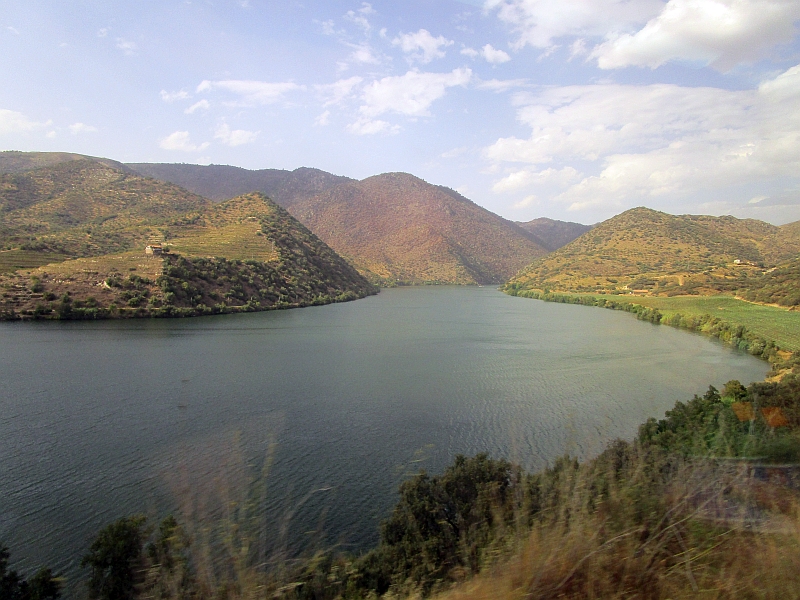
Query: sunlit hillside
{"points": [[653, 252]]}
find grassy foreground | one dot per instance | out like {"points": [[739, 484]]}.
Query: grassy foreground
{"points": [[702, 503]]}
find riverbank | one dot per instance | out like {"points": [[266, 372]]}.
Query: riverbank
{"points": [[129, 285], [782, 353]]}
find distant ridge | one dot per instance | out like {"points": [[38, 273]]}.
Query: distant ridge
{"points": [[13, 161], [220, 182], [553, 234]]}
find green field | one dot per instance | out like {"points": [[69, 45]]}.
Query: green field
{"points": [[11, 260], [777, 324]]}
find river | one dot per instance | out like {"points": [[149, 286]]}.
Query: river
{"points": [[336, 405]]}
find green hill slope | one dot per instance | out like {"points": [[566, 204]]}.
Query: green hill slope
{"points": [[647, 251], [295, 269], [85, 207]]}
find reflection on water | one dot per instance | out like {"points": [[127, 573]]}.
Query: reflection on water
{"points": [[100, 420]]}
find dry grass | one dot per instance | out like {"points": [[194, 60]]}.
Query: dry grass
{"points": [[706, 544]]}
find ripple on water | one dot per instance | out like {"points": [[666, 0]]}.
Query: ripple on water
{"points": [[101, 420]]}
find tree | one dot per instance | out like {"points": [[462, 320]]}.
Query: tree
{"points": [[115, 559], [13, 586]]}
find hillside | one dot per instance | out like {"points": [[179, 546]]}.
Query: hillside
{"points": [[83, 207], [552, 234], [220, 182], [398, 228], [393, 227], [12, 161], [647, 251], [294, 268]]}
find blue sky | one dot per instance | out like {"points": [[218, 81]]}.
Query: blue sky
{"points": [[570, 109]]}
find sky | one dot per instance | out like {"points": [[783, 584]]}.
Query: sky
{"points": [[568, 109]]}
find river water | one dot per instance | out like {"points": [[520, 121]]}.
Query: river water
{"points": [[335, 405]]}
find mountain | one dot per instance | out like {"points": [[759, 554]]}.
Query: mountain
{"points": [[294, 268], [83, 207], [13, 161], [394, 227], [220, 182], [397, 228], [653, 252], [552, 234]]}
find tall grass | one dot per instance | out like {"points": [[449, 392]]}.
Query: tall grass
{"points": [[706, 530]]}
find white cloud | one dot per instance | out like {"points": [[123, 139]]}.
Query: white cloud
{"points": [[328, 27], [539, 23], [411, 94], [501, 85], [202, 105], [337, 92], [722, 33], [181, 141], [128, 47], [649, 33], [15, 122], [577, 48], [455, 152], [422, 46], [359, 17], [251, 92], [236, 137], [527, 178], [77, 128], [493, 55], [471, 52], [173, 96], [364, 54], [364, 126], [323, 119], [527, 201], [13, 30], [640, 142], [102, 32]]}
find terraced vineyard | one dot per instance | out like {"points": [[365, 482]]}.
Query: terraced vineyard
{"points": [[239, 241], [11, 260]]}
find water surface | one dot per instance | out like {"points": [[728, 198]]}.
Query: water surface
{"points": [[105, 419]]}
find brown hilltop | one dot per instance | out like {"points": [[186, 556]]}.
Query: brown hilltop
{"points": [[220, 182], [397, 227]]}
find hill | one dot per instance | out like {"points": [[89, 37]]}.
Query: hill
{"points": [[13, 161], [393, 227], [646, 251], [397, 228], [220, 182], [295, 269], [552, 234], [83, 207]]}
